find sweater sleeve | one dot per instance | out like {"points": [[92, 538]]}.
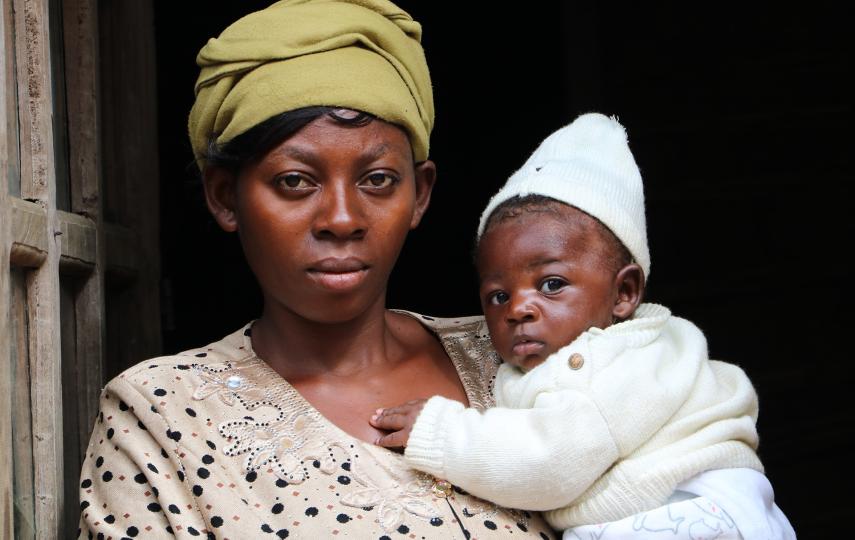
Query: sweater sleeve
{"points": [[132, 480], [538, 458]]}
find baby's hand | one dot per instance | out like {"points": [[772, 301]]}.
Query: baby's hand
{"points": [[399, 420]]}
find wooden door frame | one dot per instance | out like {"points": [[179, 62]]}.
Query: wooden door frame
{"points": [[52, 245]]}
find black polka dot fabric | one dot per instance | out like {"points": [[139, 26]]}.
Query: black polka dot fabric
{"points": [[212, 443]]}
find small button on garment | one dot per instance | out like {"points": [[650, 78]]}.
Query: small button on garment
{"points": [[576, 361], [441, 488], [234, 382]]}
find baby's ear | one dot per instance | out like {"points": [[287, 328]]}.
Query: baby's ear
{"points": [[629, 284]]}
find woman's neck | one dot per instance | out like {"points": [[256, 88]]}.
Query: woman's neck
{"points": [[298, 348]]}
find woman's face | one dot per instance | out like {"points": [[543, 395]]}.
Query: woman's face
{"points": [[322, 217]]}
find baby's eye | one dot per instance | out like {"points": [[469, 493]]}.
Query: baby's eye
{"points": [[552, 285], [293, 181], [379, 180], [498, 298]]}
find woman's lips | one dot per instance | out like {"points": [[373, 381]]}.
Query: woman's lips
{"points": [[338, 274]]}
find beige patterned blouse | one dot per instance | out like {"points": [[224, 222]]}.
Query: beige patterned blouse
{"points": [[212, 442]]}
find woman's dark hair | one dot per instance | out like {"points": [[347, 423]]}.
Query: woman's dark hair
{"points": [[260, 139]]}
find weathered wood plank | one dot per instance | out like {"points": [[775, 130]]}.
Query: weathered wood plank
{"points": [[76, 236], [72, 455], [38, 183], [77, 240], [22, 427], [6, 382], [80, 29], [29, 236], [9, 99]]}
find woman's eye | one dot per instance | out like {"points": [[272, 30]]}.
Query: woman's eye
{"points": [[552, 285], [498, 298], [293, 181], [379, 180]]}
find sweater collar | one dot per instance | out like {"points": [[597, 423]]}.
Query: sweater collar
{"points": [[644, 326]]}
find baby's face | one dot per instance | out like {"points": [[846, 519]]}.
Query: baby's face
{"points": [[543, 282]]}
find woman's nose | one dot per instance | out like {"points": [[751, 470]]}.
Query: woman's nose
{"points": [[340, 216], [521, 309]]}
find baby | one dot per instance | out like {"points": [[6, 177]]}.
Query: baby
{"points": [[610, 417]]}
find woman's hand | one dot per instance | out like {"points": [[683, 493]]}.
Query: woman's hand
{"points": [[399, 421]]}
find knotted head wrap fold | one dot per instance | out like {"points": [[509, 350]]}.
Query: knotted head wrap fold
{"points": [[357, 54]]}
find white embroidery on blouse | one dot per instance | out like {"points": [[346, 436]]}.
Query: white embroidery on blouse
{"points": [[404, 493], [285, 443]]}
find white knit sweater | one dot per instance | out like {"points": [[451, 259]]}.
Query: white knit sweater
{"points": [[597, 442]]}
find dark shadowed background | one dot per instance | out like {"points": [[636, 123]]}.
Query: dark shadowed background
{"points": [[741, 122]]}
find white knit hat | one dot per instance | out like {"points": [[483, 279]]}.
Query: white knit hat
{"points": [[587, 164]]}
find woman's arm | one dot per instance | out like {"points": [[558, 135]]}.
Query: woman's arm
{"points": [[132, 483]]}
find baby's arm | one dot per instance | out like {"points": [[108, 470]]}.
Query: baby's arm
{"points": [[539, 458]]}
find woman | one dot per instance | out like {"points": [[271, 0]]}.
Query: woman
{"points": [[311, 127]]}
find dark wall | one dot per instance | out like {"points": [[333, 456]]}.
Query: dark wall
{"points": [[741, 124]]}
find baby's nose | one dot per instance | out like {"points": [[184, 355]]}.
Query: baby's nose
{"points": [[522, 310]]}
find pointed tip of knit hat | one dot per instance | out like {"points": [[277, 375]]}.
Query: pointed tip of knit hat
{"points": [[587, 129], [587, 164], [595, 120]]}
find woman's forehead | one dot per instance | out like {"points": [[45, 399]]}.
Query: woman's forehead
{"points": [[324, 136]]}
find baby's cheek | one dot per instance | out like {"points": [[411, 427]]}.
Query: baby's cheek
{"points": [[493, 320], [503, 345]]}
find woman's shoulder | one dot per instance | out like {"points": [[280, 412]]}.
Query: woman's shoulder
{"points": [[466, 340], [167, 372], [471, 327], [445, 324]]}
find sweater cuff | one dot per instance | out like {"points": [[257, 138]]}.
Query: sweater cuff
{"points": [[425, 449]]}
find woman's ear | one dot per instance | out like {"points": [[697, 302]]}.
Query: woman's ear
{"points": [[220, 187], [425, 175], [629, 283]]}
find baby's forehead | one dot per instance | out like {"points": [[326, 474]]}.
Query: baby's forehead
{"points": [[570, 235], [564, 221]]}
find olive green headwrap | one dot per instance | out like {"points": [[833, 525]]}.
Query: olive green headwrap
{"points": [[356, 54]]}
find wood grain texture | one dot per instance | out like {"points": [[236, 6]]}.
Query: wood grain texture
{"points": [[6, 464], [38, 184], [80, 30], [29, 237]]}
